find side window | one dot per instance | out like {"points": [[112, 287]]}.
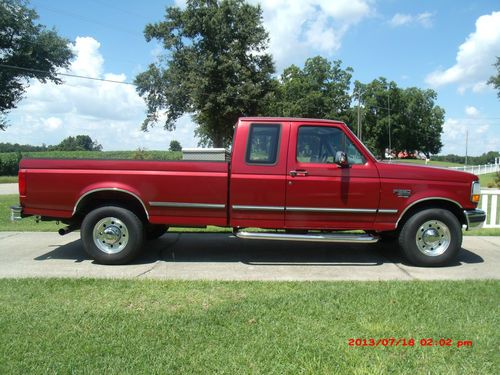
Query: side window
{"points": [[263, 143], [319, 144]]}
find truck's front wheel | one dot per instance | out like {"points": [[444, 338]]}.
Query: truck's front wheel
{"points": [[431, 237], [112, 235]]}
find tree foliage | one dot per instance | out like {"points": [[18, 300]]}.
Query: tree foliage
{"points": [[411, 116], [78, 143], [495, 79], [26, 44], [215, 67], [175, 146], [319, 90]]}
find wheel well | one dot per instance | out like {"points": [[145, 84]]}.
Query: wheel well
{"points": [[102, 198], [433, 203]]}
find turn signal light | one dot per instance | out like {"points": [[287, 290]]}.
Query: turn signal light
{"points": [[475, 194]]}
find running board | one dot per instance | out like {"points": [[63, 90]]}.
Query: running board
{"points": [[314, 237]]}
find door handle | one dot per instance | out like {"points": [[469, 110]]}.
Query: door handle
{"points": [[298, 173]]}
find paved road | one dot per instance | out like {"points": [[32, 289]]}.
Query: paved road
{"points": [[8, 189], [222, 257]]}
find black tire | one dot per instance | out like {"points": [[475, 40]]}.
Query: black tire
{"points": [[112, 235], [154, 231], [439, 238]]}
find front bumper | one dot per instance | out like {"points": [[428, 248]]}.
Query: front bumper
{"points": [[475, 218]]}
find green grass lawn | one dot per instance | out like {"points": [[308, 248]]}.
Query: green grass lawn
{"points": [[431, 162], [181, 327], [486, 179], [8, 179]]}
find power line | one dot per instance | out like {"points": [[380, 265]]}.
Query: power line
{"points": [[65, 74], [105, 80]]}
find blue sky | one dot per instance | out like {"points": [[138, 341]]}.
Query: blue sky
{"points": [[449, 46]]}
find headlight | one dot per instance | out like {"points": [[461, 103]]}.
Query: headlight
{"points": [[475, 194]]}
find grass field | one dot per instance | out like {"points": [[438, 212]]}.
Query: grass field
{"points": [[486, 179], [431, 162], [174, 327], [30, 225], [8, 179]]}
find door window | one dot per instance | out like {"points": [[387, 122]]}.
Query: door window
{"points": [[319, 144]]}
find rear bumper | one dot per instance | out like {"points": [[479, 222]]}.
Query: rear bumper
{"points": [[475, 218], [16, 213]]}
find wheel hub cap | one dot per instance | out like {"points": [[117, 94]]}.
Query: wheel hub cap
{"points": [[433, 238], [110, 235]]}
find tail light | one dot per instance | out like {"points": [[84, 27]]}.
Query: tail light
{"points": [[22, 182]]}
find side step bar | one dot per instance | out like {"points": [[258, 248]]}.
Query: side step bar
{"points": [[314, 237]]}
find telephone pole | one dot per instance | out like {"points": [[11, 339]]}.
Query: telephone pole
{"points": [[466, 144]]}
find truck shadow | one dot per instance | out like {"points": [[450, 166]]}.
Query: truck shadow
{"points": [[224, 247]]}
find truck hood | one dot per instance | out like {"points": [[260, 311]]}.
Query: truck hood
{"points": [[422, 172]]}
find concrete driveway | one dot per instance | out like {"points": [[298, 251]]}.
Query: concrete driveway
{"points": [[9, 189], [220, 256]]}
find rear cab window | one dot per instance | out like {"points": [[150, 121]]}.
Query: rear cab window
{"points": [[263, 144]]}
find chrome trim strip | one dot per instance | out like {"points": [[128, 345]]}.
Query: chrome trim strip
{"points": [[257, 208], [333, 210], [316, 237], [423, 200], [110, 189], [187, 205], [387, 211]]}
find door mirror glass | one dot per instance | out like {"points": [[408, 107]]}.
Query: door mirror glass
{"points": [[341, 159]]}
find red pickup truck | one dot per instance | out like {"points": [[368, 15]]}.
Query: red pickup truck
{"points": [[303, 179]]}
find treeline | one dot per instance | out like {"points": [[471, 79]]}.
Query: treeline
{"points": [[486, 158], [77, 143], [9, 161]]}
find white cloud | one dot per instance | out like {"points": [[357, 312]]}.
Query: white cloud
{"points": [[52, 123], [481, 139], [471, 111], [475, 57], [302, 28], [423, 19], [110, 113]]}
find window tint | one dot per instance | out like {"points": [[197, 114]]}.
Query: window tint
{"points": [[319, 144], [263, 143]]}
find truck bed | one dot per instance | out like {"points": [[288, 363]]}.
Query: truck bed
{"points": [[173, 192]]}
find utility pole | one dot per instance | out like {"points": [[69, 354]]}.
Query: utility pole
{"points": [[389, 109], [466, 144], [359, 120]]}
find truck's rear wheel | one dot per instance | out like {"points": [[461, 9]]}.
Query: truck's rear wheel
{"points": [[431, 237], [112, 235]]}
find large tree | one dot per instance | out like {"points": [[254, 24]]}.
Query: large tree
{"points": [[27, 50], [407, 118], [215, 68], [78, 143], [319, 90], [495, 79]]}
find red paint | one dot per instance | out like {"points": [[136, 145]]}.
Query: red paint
{"points": [[51, 188]]}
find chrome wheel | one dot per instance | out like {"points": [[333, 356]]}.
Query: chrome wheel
{"points": [[110, 235], [433, 238]]}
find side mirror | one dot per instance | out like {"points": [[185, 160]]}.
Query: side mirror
{"points": [[341, 159]]}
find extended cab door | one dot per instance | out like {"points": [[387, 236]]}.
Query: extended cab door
{"points": [[319, 193], [258, 174]]}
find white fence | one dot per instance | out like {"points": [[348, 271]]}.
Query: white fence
{"points": [[489, 204], [479, 169]]}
